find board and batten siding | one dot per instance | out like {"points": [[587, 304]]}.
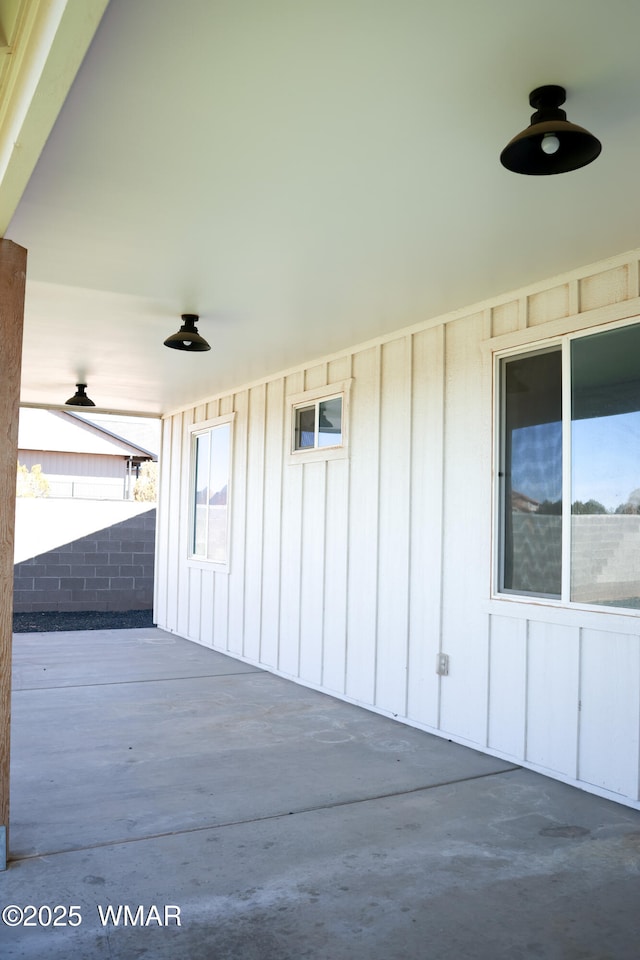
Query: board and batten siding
{"points": [[352, 575]]}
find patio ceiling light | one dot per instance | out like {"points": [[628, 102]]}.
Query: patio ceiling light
{"points": [[550, 144], [187, 337], [80, 398]]}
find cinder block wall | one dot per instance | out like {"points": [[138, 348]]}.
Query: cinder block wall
{"points": [[111, 569]]}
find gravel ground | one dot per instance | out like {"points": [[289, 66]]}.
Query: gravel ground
{"points": [[48, 622]]}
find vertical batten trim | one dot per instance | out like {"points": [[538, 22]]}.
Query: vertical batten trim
{"points": [[300, 553], [248, 647], [184, 573], [579, 702], [523, 313], [574, 297], [441, 452], [213, 587], [637, 727], [527, 670], [409, 393], [200, 605], [263, 442], [566, 533], [177, 555], [487, 315], [488, 679], [164, 490], [376, 474], [325, 479], [633, 279], [176, 560], [286, 433], [347, 599], [245, 510], [285, 418], [241, 601]]}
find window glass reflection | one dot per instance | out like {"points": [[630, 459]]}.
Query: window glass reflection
{"points": [[605, 478], [532, 490]]}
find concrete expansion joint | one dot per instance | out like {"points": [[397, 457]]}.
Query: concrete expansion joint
{"points": [[118, 683], [274, 816]]}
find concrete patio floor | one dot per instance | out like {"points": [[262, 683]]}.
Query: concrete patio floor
{"points": [[148, 771]]}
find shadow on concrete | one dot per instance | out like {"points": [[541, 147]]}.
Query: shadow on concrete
{"points": [[284, 824]]}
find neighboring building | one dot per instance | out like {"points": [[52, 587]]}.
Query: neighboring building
{"points": [[388, 561], [79, 458], [521, 503], [86, 544]]}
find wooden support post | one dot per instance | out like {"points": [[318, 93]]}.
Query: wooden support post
{"points": [[13, 265]]}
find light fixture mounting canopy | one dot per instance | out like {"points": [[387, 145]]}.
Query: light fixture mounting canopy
{"points": [[80, 398], [572, 146], [187, 337]]}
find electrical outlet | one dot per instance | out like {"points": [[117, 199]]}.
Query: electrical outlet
{"points": [[442, 664]]}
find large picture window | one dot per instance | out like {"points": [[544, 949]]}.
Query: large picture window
{"points": [[211, 459], [570, 471]]}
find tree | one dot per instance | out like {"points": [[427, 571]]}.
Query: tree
{"points": [[590, 507], [31, 483], [551, 507], [628, 508], [146, 486]]}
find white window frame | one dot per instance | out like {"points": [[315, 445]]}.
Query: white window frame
{"points": [[562, 341], [533, 350], [196, 430], [315, 397]]}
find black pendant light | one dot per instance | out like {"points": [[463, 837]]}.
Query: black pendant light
{"points": [[80, 398], [187, 337], [551, 144]]}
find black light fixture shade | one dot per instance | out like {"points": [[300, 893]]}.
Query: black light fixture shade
{"points": [[550, 144], [80, 398], [187, 337]]}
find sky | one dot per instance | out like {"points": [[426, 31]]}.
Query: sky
{"points": [[605, 460]]}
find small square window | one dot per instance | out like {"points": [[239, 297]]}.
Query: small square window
{"points": [[318, 423]]}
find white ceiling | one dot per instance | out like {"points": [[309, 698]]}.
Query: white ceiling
{"points": [[305, 175]]}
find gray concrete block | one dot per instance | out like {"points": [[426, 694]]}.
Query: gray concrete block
{"points": [[53, 596], [141, 557], [97, 583], [72, 583], [122, 583], [31, 569], [49, 583], [86, 545], [63, 557], [105, 567]]}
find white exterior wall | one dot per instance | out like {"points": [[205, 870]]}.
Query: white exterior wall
{"points": [[351, 575]]}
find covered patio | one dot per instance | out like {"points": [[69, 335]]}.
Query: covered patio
{"points": [[275, 823]]}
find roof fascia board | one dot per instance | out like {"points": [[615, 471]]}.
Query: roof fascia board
{"points": [[108, 433], [45, 42]]}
